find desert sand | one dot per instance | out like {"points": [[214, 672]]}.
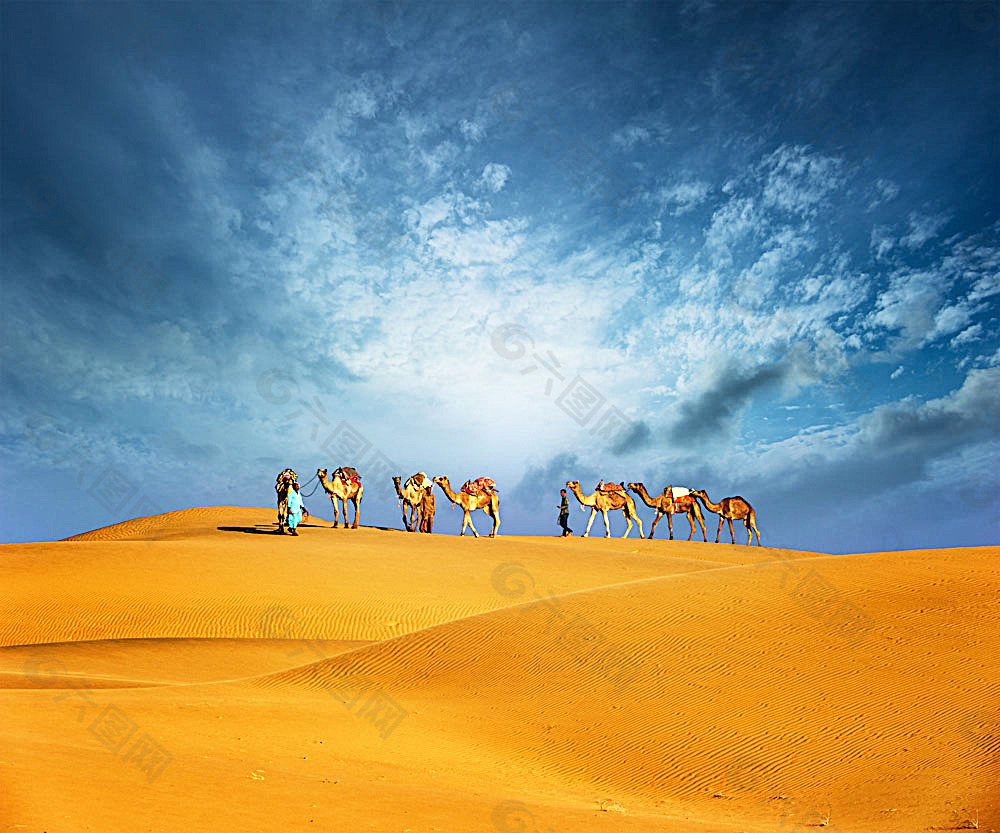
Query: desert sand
{"points": [[190, 672]]}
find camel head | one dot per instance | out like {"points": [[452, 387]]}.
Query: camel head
{"points": [[700, 492], [441, 479], [397, 480], [635, 487], [321, 472], [573, 484]]}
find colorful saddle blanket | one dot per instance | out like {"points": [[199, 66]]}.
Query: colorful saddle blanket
{"points": [[286, 478], [479, 485], [610, 486], [677, 492], [348, 474], [419, 481]]}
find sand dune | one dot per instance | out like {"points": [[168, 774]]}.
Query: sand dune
{"points": [[186, 672]]}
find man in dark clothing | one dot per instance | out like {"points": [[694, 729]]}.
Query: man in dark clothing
{"points": [[427, 512], [564, 514]]}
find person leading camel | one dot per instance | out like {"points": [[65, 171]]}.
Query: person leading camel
{"points": [[564, 514], [427, 511], [295, 508]]}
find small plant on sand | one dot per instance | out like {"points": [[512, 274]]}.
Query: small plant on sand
{"points": [[970, 823], [824, 818]]}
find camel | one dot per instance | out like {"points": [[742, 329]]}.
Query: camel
{"points": [[489, 502], [601, 501], [666, 505], [731, 509], [411, 495], [345, 491], [281, 487]]}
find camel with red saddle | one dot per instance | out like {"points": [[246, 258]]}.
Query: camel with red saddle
{"points": [[345, 486], [675, 500], [731, 509], [608, 496], [484, 496]]}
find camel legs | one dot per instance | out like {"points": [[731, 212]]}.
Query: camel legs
{"points": [[467, 522], [357, 512], [336, 516], [670, 524], [629, 517], [638, 520], [718, 532], [407, 523], [751, 523], [607, 526], [593, 514], [495, 515], [656, 520], [691, 519], [628, 524], [701, 521], [732, 535]]}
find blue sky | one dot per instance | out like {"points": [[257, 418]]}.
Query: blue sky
{"points": [[753, 248]]}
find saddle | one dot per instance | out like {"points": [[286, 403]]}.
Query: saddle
{"points": [[677, 492], [348, 474], [286, 478], [481, 485], [419, 481], [610, 486]]}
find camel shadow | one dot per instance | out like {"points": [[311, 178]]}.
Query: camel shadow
{"points": [[260, 529], [271, 529]]}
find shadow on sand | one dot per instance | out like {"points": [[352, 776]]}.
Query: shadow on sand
{"points": [[272, 529]]}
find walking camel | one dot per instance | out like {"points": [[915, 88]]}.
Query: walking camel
{"points": [[489, 502], [602, 501], [281, 487], [731, 509], [667, 505], [345, 487], [412, 495]]}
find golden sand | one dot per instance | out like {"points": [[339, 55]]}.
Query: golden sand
{"points": [[190, 672]]}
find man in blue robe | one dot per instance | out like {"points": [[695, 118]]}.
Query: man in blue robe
{"points": [[294, 508]]}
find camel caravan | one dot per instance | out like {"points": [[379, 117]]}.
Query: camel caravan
{"points": [[416, 494]]}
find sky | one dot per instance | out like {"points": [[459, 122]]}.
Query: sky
{"points": [[747, 247]]}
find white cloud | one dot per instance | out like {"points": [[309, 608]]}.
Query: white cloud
{"points": [[951, 318], [683, 196], [882, 242], [474, 131], [968, 335], [630, 135], [883, 191], [797, 180], [922, 227], [495, 176], [896, 373]]}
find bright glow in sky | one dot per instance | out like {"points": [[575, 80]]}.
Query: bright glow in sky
{"points": [[752, 248]]}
